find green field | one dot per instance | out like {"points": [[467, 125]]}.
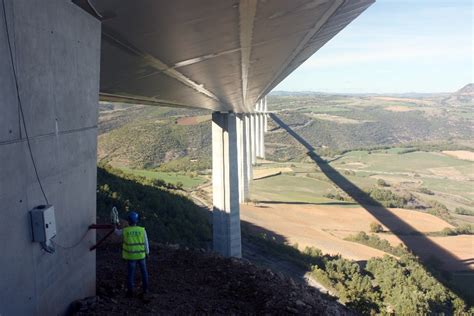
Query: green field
{"points": [[449, 179], [417, 162], [287, 188], [169, 177]]}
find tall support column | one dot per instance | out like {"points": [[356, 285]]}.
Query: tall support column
{"points": [[258, 129], [265, 110], [262, 135], [243, 181], [241, 156], [253, 137], [248, 155], [225, 185]]}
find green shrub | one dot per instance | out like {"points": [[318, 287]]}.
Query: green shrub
{"points": [[463, 211], [425, 191], [465, 229], [389, 199], [376, 227], [333, 196], [440, 210], [374, 241]]}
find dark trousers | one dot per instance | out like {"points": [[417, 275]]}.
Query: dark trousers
{"points": [[131, 267]]}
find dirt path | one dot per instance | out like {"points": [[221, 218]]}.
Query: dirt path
{"points": [[259, 257]]}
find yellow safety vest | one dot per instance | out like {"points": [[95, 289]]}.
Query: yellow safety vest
{"points": [[133, 247]]}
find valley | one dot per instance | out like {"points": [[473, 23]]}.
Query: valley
{"points": [[336, 166]]}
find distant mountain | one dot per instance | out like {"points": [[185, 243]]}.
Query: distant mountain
{"points": [[466, 90], [294, 93], [462, 97]]}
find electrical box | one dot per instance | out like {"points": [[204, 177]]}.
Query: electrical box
{"points": [[43, 223]]}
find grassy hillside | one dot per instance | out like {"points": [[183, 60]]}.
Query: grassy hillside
{"points": [[168, 216], [341, 123], [144, 137]]}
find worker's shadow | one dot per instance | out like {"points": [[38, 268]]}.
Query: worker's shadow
{"points": [[419, 244]]}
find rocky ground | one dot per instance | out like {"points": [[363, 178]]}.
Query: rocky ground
{"points": [[185, 281]]}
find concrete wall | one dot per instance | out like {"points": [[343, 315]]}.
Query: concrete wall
{"points": [[56, 49]]}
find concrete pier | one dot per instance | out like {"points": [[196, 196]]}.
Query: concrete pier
{"points": [[248, 145], [265, 110], [225, 185], [258, 131], [262, 136], [242, 139], [253, 138], [56, 56]]}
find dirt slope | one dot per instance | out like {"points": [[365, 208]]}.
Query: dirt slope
{"points": [[187, 282]]}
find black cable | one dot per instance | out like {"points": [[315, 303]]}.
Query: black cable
{"points": [[47, 248], [19, 103], [73, 245]]}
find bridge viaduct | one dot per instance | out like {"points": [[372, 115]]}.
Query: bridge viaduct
{"points": [[58, 58]]}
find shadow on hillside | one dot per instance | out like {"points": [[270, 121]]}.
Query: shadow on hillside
{"points": [[421, 246], [307, 203], [271, 250]]}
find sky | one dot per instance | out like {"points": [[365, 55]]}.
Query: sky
{"points": [[395, 46]]}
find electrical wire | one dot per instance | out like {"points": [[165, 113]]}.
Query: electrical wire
{"points": [[19, 103], [74, 245], [47, 248]]}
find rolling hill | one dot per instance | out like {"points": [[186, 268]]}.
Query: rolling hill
{"points": [[148, 137]]}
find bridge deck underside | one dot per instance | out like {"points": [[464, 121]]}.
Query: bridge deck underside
{"points": [[213, 54]]}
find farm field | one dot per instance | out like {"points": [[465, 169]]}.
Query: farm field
{"points": [[450, 180], [298, 205], [325, 227]]}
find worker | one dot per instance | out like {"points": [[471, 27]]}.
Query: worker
{"points": [[135, 250]]}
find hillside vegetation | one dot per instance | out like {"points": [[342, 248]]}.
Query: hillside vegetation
{"points": [[150, 137], [169, 217], [387, 285]]}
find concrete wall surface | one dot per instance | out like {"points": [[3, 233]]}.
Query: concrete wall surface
{"points": [[56, 52]]}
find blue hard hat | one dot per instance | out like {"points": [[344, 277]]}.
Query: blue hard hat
{"points": [[132, 217]]}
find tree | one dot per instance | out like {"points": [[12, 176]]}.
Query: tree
{"points": [[376, 227], [382, 183]]}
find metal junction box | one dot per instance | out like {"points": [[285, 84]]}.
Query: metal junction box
{"points": [[43, 223]]}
